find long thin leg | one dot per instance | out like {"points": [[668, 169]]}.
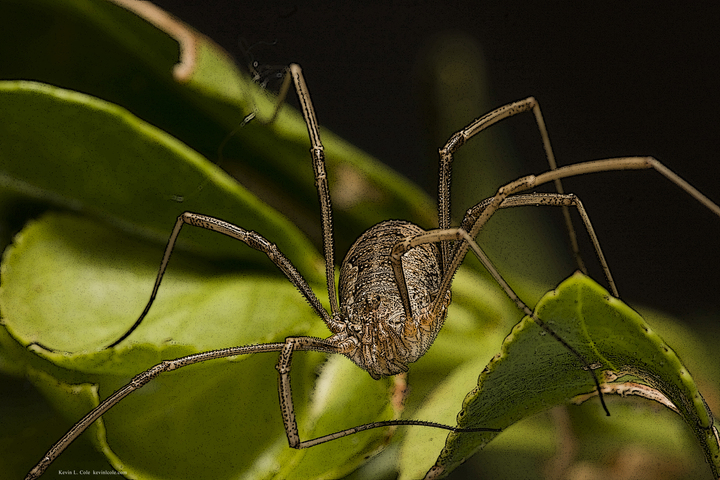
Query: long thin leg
{"points": [[458, 234], [522, 184], [288, 411], [251, 239], [250, 117], [536, 199], [318, 159], [532, 181], [477, 126], [553, 199], [286, 350], [280, 101], [136, 383]]}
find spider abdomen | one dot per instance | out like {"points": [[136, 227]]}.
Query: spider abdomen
{"points": [[370, 302]]}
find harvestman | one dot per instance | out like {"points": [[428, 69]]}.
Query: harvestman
{"points": [[394, 286]]}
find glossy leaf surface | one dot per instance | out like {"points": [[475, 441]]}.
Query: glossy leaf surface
{"points": [[534, 372]]}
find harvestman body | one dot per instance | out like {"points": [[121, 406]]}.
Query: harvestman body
{"points": [[394, 281]]}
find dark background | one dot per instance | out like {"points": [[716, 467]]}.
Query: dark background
{"points": [[614, 79]]}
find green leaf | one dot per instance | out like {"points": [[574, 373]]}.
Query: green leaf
{"points": [[143, 61], [216, 411], [84, 154], [534, 372]]}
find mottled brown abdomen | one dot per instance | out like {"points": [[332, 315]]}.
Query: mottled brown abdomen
{"points": [[370, 302]]}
